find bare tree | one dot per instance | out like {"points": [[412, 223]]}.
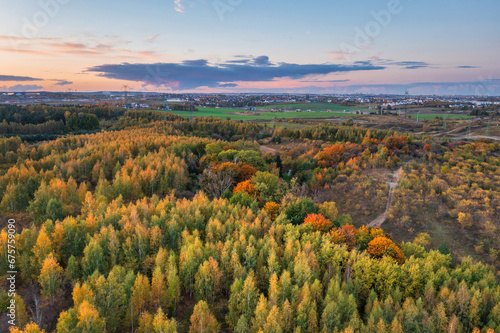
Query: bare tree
{"points": [[215, 180], [36, 307]]}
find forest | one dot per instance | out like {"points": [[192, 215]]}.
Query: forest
{"points": [[159, 223], [39, 122]]}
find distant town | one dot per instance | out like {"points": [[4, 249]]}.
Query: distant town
{"points": [[285, 102]]}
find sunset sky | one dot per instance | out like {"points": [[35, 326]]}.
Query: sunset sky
{"points": [[320, 46]]}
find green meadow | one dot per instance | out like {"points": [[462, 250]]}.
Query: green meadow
{"points": [[260, 114], [313, 107]]}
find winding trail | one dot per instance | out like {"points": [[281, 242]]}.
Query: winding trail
{"points": [[392, 185]]}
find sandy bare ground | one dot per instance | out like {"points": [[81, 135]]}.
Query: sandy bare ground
{"points": [[267, 149], [477, 137], [392, 185]]}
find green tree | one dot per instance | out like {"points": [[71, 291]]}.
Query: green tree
{"points": [[297, 209], [73, 269], [55, 209], [111, 298], [174, 284], [94, 258], [67, 322], [267, 185]]}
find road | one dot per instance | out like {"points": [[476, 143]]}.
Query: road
{"points": [[392, 185]]}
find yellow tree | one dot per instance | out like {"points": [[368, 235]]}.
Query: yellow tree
{"points": [[329, 210], [30, 328], [41, 249], [145, 323], [81, 293], [50, 276], [158, 291], [216, 274], [273, 290], [203, 320], [261, 313], [89, 320], [140, 298], [162, 324], [204, 284], [274, 321]]}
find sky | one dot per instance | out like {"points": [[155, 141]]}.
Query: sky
{"points": [[251, 46]]}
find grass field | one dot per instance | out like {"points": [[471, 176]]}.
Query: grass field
{"points": [[262, 115], [314, 107], [431, 116]]}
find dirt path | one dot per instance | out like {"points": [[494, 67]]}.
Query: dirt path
{"points": [[381, 219], [266, 149], [477, 137]]}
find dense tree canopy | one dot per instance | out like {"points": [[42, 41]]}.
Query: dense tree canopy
{"points": [[167, 225]]}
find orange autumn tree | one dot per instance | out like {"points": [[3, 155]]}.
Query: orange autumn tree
{"points": [[246, 187], [246, 172], [345, 235], [381, 246], [319, 222], [330, 156], [272, 209]]}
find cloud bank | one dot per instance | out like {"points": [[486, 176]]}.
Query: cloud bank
{"points": [[18, 78], [192, 74], [63, 83], [21, 88]]}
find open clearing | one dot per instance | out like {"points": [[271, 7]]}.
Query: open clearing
{"points": [[241, 114], [313, 107]]}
